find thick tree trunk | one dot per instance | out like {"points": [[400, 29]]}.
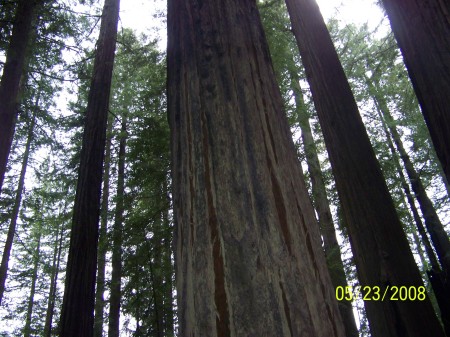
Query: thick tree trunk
{"points": [[10, 82], [321, 204], [116, 274], [103, 240], [27, 328], [53, 283], [248, 254], [422, 30], [380, 248], [77, 316], [15, 212]]}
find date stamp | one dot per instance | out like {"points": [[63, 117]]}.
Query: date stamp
{"points": [[376, 293]]}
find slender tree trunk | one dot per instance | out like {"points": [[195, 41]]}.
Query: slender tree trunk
{"points": [[116, 275], [248, 253], [437, 232], [10, 81], [380, 248], [77, 316], [440, 280], [156, 301], [417, 220], [330, 243], [53, 283], [422, 30], [168, 268], [27, 328], [15, 212], [410, 198], [103, 240]]}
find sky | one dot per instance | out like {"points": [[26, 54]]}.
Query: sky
{"points": [[139, 14]]}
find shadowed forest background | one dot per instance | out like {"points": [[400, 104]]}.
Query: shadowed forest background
{"points": [[249, 179]]}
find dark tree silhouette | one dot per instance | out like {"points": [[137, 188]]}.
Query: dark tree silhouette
{"points": [[77, 316]]}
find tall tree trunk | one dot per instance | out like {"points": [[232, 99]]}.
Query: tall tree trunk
{"points": [[103, 240], [10, 81], [116, 274], [434, 226], [53, 283], [15, 212], [330, 243], [380, 248], [422, 31], [410, 199], [27, 328], [440, 279], [248, 253], [156, 300], [77, 316], [380, 104]]}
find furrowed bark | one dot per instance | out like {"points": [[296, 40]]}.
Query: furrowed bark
{"points": [[248, 253]]}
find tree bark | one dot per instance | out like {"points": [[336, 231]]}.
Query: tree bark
{"points": [[10, 81], [77, 316], [116, 274], [15, 212], [248, 254], [103, 240], [380, 248], [422, 31], [322, 206]]}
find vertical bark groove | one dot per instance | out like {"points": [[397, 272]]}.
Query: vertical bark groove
{"points": [[237, 185]]}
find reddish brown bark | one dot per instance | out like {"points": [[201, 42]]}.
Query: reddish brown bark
{"points": [[380, 248], [248, 254]]}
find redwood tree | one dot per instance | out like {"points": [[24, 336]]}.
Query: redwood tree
{"points": [[12, 73], [77, 316], [422, 30], [248, 255], [380, 248]]}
